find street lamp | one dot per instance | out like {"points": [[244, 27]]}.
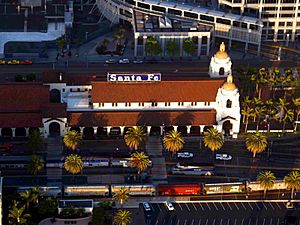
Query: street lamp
{"points": [[279, 54], [287, 40]]}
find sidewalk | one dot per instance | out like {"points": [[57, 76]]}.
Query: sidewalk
{"points": [[158, 171]]}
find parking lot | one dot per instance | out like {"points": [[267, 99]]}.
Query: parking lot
{"points": [[218, 213]]}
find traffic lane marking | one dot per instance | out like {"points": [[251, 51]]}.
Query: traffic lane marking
{"points": [[250, 205], [236, 206], [243, 206], [175, 204], [208, 207], [159, 207], [199, 223], [266, 208]]}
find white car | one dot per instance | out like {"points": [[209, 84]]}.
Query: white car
{"points": [[124, 61], [110, 61], [185, 155], [138, 61], [225, 157], [169, 206], [146, 206]]}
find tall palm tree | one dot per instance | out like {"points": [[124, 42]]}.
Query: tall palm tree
{"points": [[30, 196], [17, 215], [247, 113], [36, 165], [292, 180], [121, 196], [73, 164], [256, 143], [140, 161], [266, 180], [153, 46], [122, 217], [296, 104], [172, 47], [135, 137], [259, 113], [173, 141], [72, 139], [213, 139], [189, 47], [288, 117], [35, 141]]}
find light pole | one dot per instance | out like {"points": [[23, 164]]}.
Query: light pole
{"points": [[287, 40], [279, 54], [86, 35]]}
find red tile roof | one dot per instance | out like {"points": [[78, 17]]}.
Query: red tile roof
{"points": [[142, 118], [53, 110], [164, 91], [13, 120], [23, 97]]}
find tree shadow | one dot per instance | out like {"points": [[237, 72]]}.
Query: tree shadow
{"points": [[153, 119], [88, 119], [184, 119]]}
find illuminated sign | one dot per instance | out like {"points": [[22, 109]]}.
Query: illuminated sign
{"points": [[133, 77]]}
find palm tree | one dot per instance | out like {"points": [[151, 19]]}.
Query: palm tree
{"points": [[73, 164], [17, 215], [288, 117], [135, 137], [296, 103], [152, 47], [122, 195], [140, 161], [259, 113], [30, 196], [173, 141], [105, 42], [248, 112], [266, 180], [256, 143], [35, 141], [213, 139], [172, 47], [122, 217], [292, 180], [72, 139], [36, 165], [189, 47]]}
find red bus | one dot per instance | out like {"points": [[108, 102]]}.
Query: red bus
{"points": [[179, 189]]}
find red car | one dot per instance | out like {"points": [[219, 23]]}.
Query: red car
{"points": [[6, 146], [26, 62]]}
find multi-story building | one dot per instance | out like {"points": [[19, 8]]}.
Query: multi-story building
{"points": [[279, 17]]}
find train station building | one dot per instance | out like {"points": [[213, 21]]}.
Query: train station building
{"points": [[96, 108]]}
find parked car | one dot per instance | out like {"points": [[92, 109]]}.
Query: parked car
{"points": [[169, 206], [124, 61], [225, 157], [185, 155], [13, 62], [110, 61], [6, 146], [138, 61], [146, 206], [2, 62], [26, 62]]}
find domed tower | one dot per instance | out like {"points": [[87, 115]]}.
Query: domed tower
{"points": [[220, 63], [228, 108]]}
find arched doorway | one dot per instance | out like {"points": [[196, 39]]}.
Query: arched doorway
{"points": [[88, 133], [54, 129], [195, 131], [221, 71], [20, 132], [55, 95], [155, 131], [6, 132], [226, 127], [182, 130], [76, 129]]}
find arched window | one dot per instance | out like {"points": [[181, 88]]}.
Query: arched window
{"points": [[228, 104], [221, 71]]}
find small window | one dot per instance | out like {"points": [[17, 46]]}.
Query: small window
{"points": [[167, 103], [154, 104], [193, 103], [127, 104], [63, 90], [228, 104], [180, 103], [78, 89], [141, 104], [221, 71]]}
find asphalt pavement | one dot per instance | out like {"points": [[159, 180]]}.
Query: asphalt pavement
{"points": [[217, 213]]}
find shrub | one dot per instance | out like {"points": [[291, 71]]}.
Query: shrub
{"points": [[18, 78]]}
